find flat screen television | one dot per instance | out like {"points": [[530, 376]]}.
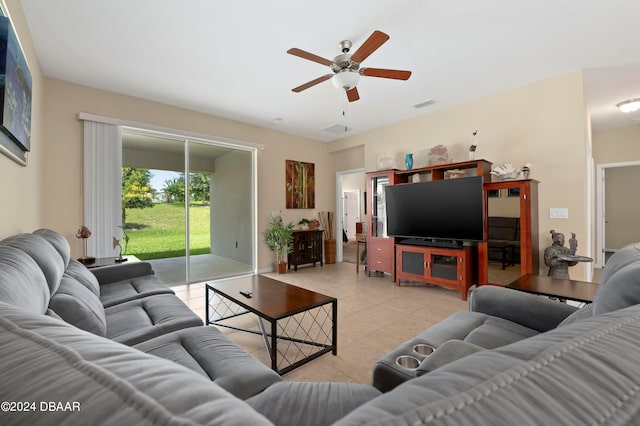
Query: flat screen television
{"points": [[441, 210]]}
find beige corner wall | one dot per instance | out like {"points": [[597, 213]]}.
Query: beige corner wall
{"points": [[617, 145], [62, 188], [21, 187], [544, 123]]}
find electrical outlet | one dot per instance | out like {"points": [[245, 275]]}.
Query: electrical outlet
{"points": [[558, 213]]}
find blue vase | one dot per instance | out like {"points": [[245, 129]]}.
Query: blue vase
{"points": [[408, 161]]}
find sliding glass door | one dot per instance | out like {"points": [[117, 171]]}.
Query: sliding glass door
{"points": [[190, 212]]}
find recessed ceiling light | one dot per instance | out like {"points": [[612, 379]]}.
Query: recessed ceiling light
{"points": [[629, 106]]}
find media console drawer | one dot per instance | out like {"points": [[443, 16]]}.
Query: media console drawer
{"points": [[380, 255]]}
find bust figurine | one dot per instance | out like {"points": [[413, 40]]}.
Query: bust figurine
{"points": [[559, 267]]}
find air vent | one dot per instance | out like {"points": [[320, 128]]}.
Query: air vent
{"points": [[338, 129], [425, 103]]}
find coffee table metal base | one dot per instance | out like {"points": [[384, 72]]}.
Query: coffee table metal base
{"points": [[291, 338]]}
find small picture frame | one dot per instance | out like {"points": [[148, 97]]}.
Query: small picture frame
{"points": [[513, 192], [493, 193]]}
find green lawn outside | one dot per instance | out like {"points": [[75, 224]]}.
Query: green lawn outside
{"points": [[158, 232]]}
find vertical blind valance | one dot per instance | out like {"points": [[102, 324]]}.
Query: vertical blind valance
{"points": [[102, 186]]}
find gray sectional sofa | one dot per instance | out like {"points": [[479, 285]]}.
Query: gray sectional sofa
{"points": [[70, 362]]}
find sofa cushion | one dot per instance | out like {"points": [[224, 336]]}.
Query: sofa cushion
{"points": [[476, 328], [132, 288], [80, 273], [142, 319], [45, 360], [22, 282], [45, 255], [311, 403], [621, 258], [78, 306], [584, 373], [209, 352], [59, 242], [622, 290], [620, 282]]}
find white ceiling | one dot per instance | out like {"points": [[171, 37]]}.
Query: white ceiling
{"points": [[229, 58]]}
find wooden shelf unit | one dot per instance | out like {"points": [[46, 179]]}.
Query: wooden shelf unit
{"points": [[381, 249], [307, 248], [469, 168]]}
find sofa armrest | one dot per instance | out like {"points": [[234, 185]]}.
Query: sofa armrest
{"points": [[449, 351], [115, 273], [536, 312]]}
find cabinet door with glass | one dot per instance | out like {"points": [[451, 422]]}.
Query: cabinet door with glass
{"points": [[376, 214]]}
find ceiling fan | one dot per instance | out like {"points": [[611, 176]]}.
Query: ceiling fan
{"points": [[346, 67]]}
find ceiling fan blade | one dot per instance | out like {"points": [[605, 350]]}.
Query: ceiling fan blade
{"points": [[353, 95], [375, 40], [310, 56], [312, 83], [384, 73]]}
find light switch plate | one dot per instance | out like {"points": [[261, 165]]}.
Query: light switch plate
{"points": [[558, 213]]}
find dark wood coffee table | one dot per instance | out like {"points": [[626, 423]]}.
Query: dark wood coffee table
{"points": [[580, 291], [298, 317]]}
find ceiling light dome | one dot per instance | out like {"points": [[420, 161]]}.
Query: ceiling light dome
{"points": [[345, 79], [629, 106]]}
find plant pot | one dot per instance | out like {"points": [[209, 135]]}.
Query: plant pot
{"points": [[282, 268], [330, 251]]}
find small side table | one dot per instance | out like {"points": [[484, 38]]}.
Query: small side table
{"points": [[360, 239], [580, 291], [103, 261]]}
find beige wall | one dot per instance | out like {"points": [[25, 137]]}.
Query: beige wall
{"points": [[21, 187], [544, 123], [62, 190], [619, 146], [622, 207]]}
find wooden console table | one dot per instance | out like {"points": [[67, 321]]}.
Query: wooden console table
{"points": [[307, 248], [580, 291]]}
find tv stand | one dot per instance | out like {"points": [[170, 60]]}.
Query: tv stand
{"points": [[432, 243], [453, 268]]}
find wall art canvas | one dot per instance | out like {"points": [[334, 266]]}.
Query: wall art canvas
{"points": [[15, 94], [301, 190]]}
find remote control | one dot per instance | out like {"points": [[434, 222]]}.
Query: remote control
{"points": [[246, 293]]}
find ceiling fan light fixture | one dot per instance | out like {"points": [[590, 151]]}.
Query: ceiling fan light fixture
{"points": [[631, 105], [346, 80]]}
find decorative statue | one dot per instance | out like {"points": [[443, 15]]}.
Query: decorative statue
{"points": [[558, 257]]}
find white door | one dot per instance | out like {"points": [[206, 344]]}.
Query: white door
{"points": [[351, 209]]}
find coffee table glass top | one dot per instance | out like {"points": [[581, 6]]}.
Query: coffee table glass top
{"points": [[274, 299]]}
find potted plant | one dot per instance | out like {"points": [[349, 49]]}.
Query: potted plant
{"points": [[304, 224], [279, 238]]}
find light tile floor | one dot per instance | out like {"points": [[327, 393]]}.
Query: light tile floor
{"points": [[374, 316]]}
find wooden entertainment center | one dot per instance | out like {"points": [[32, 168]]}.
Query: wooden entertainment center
{"points": [[456, 268]]}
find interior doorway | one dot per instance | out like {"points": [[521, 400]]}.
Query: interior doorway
{"points": [[351, 211], [617, 210], [349, 182]]}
